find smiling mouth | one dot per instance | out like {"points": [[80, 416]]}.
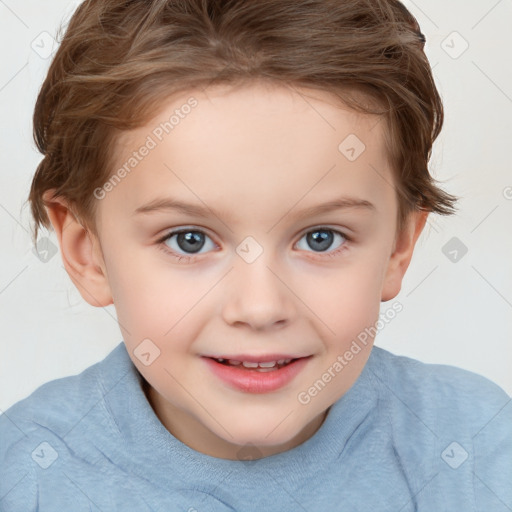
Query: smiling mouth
{"points": [[255, 376], [262, 367]]}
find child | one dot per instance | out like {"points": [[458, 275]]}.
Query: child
{"points": [[247, 377]]}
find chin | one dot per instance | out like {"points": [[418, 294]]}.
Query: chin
{"points": [[265, 436]]}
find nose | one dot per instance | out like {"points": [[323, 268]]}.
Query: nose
{"points": [[257, 295]]}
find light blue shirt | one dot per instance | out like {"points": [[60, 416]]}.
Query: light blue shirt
{"points": [[406, 437]]}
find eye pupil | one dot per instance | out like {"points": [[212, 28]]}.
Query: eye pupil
{"points": [[191, 242], [324, 239], [193, 238]]}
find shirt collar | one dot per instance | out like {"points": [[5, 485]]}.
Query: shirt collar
{"points": [[147, 448]]}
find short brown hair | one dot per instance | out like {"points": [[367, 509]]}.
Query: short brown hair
{"points": [[119, 58]]}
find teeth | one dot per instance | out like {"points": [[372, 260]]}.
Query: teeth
{"points": [[250, 364], [247, 364]]}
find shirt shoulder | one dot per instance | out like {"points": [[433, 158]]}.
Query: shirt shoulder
{"points": [[463, 420], [459, 394], [34, 433]]}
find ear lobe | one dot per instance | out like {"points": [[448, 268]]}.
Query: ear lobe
{"points": [[402, 253], [81, 252]]}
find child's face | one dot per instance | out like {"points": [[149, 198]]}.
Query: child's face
{"points": [[266, 279]]}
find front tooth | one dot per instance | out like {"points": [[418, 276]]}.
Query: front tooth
{"points": [[270, 364], [248, 364]]}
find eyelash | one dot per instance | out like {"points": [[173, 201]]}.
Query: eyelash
{"points": [[183, 257]]}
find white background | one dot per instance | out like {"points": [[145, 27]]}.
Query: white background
{"points": [[457, 313]]}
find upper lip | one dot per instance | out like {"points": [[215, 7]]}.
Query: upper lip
{"points": [[251, 358]]}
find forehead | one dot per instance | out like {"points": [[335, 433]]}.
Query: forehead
{"points": [[283, 145]]}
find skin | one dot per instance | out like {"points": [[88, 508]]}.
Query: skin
{"points": [[258, 155]]}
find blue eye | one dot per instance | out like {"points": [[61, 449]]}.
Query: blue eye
{"points": [[321, 239], [185, 243], [188, 240]]}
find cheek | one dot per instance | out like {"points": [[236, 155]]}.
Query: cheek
{"points": [[347, 300], [143, 296], [154, 302]]}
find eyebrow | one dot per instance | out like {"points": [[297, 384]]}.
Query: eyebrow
{"points": [[168, 203]]}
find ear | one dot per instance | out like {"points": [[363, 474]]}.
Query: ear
{"points": [[402, 254], [81, 252]]}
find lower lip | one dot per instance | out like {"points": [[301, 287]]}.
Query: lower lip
{"points": [[253, 381]]}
